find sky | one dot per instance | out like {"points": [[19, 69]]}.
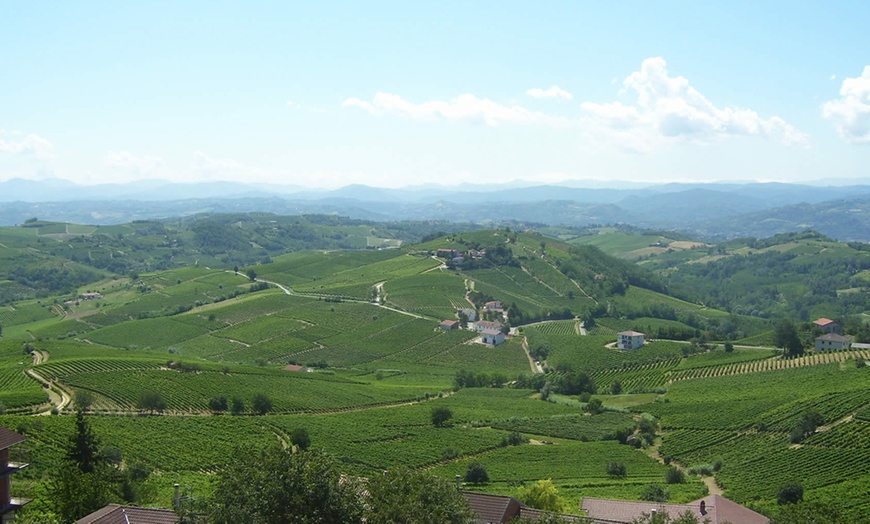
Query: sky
{"points": [[393, 94]]}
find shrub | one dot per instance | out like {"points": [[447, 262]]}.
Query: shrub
{"points": [[476, 473], [440, 416], [674, 476], [655, 493], [704, 470], [790, 493], [300, 438], [218, 404], [261, 404], [616, 469]]}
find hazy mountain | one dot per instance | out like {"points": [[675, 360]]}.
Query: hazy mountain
{"points": [[710, 210]]}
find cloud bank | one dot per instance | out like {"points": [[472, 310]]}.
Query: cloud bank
{"points": [[667, 110], [551, 92], [851, 112]]}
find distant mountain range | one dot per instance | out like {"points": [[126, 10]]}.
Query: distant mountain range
{"points": [[711, 210]]}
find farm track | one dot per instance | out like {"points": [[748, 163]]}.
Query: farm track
{"points": [[58, 396], [535, 367], [290, 292]]}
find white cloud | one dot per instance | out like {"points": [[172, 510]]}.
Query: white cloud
{"points": [[552, 92], [463, 107], [139, 165], [851, 112], [669, 110], [15, 143]]}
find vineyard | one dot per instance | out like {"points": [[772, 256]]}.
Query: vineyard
{"points": [[371, 375]]}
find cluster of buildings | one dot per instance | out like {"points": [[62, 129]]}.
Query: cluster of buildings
{"points": [[457, 257], [491, 332]]}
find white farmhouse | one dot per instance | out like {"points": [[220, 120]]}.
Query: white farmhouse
{"points": [[629, 340], [492, 337], [832, 342]]}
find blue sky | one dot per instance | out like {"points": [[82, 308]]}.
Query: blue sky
{"points": [[391, 94]]}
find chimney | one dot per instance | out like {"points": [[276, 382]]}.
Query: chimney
{"points": [[177, 499], [458, 483]]}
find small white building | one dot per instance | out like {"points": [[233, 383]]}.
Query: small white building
{"points": [[481, 325], [492, 337], [470, 313], [629, 340], [493, 305], [832, 342]]}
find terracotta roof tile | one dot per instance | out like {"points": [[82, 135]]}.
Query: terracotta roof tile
{"points": [[115, 514], [9, 438]]}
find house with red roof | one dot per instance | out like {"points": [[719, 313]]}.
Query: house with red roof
{"points": [[828, 326]]}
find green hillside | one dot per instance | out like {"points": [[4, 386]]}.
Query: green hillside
{"points": [[346, 344]]}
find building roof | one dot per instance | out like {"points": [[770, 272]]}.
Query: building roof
{"points": [[631, 334], [294, 367], [716, 508], [486, 324], [823, 322], [493, 509], [9, 438], [116, 514], [833, 337], [449, 322], [490, 331]]}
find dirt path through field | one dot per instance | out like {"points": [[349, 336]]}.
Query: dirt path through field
{"points": [[288, 291], [57, 395], [710, 482], [536, 368]]}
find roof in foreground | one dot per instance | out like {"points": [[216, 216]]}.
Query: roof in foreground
{"points": [[823, 321], [631, 333], [9, 438], [716, 508], [116, 514]]}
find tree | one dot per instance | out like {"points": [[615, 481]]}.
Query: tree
{"points": [[785, 336], [403, 495], [790, 493], [594, 406], [542, 494], [616, 469], [615, 388], [440, 416], [655, 493], [83, 448], [729, 347], [476, 473], [277, 485], [83, 399], [674, 476], [252, 275], [218, 404], [261, 404], [82, 482], [237, 406], [151, 401], [300, 439]]}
